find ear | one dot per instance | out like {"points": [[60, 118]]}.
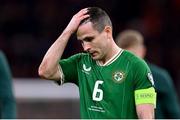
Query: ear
{"points": [[108, 31]]}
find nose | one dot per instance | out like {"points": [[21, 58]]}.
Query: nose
{"points": [[86, 46]]}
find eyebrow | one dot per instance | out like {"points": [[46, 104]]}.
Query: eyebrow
{"points": [[88, 39]]}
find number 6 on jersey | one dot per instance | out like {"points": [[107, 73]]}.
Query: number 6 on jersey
{"points": [[97, 93]]}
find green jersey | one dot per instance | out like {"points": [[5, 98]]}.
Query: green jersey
{"points": [[107, 91]]}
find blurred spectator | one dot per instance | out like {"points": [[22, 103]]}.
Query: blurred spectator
{"points": [[7, 100], [167, 99]]}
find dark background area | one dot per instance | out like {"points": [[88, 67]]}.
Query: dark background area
{"points": [[29, 27]]}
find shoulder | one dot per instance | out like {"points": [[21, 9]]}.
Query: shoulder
{"points": [[80, 55], [159, 72], [77, 57], [3, 58], [132, 58], [157, 69], [1, 54]]}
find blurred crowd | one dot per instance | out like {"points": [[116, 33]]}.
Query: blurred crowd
{"points": [[29, 27]]}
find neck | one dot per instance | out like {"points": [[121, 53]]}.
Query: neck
{"points": [[112, 50]]}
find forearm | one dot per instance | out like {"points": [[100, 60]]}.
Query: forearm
{"points": [[49, 65], [146, 115], [145, 111], [56, 50]]}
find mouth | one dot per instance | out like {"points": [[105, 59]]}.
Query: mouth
{"points": [[93, 54]]}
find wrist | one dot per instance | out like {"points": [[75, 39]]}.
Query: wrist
{"points": [[68, 31], [65, 35]]}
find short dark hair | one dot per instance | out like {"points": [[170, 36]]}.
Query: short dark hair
{"points": [[98, 17]]}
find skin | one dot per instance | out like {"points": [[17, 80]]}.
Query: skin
{"points": [[138, 50], [100, 45], [48, 68], [143, 110], [96, 43]]}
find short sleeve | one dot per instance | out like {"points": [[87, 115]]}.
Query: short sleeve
{"points": [[142, 75], [69, 68], [144, 84]]}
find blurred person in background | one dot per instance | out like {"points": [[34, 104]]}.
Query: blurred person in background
{"points": [[112, 82], [167, 99], [7, 99]]}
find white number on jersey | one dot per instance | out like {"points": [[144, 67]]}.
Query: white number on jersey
{"points": [[97, 93]]}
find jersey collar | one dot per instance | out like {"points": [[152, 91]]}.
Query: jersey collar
{"points": [[112, 59]]}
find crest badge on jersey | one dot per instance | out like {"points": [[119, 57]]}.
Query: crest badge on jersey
{"points": [[118, 76], [150, 77]]}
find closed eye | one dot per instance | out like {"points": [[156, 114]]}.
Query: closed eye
{"points": [[88, 39]]}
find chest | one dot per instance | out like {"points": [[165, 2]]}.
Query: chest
{"points": [[112, 80]]}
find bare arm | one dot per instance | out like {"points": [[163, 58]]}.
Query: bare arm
{"points": [[145, 111], [48, 68]]}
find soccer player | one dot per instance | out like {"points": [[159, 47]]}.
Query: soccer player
{"points": [[7, 100], [167, 99], [113, 83]]}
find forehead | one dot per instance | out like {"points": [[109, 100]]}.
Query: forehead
{"points": [[86, 30]]}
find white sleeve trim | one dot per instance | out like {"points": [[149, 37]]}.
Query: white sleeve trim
{"points": [[61, 74]]}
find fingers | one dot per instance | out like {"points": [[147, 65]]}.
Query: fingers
{"points": [[83, 17], [82, 12], [76, 19]]}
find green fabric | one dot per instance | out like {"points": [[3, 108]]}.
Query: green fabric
{"points": [[7, 100], [107, 91], [167, 100], [145, 96]]}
